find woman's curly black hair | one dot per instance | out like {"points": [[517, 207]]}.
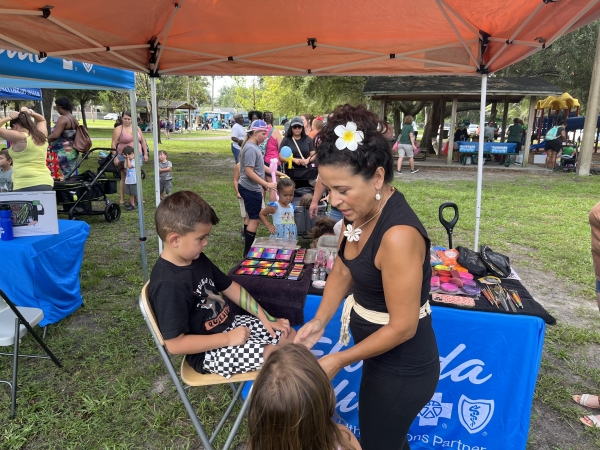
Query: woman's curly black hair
{"points": [[374, 151]]}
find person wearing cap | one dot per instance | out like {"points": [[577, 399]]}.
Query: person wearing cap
{"points": [[238, 133], [252, 178], [302, 146], [461, 133]]}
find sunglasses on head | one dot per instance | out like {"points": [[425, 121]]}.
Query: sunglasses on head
{"points": [[295, 127]]}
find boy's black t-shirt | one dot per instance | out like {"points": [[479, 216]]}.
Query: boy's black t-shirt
{"points": [[186, 300]]}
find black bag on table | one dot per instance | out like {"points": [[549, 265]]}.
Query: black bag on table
{"points": [[471, 261], [496, 263]]}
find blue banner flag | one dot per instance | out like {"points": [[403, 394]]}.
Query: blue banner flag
{"points": [[20, 69]]}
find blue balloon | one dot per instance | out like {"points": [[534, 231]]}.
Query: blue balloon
{"points": [[285, 152]]}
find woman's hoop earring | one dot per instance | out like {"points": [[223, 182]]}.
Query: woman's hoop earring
{"points": [[378, 196]]}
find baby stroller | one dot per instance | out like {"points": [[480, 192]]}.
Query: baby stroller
{"points": [[80, 195], [304, 223], [568, 159], [110, 155]]}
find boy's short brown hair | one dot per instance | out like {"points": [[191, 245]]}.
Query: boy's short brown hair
{"points": [[4, 152], [181, 213], [128, 150]]}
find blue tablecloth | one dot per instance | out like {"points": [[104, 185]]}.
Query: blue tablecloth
{"points": [[43, 271], [495, 148], [489, 367]]}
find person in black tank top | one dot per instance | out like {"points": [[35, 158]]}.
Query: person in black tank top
{"points": [[384, 255]]}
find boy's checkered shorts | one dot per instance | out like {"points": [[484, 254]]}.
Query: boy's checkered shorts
{"points": [[227, 361]]}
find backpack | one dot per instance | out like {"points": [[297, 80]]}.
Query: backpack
{"points": [[551, 134], [263, 146], [82, 142]]}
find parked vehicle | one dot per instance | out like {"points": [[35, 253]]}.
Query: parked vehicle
{"points": [[111, 116], [472, 129]]}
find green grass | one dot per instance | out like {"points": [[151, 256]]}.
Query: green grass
{"points": [[103, 129], [114, 391]]}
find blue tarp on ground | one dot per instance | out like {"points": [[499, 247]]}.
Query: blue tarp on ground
{"points": [[19, 69]]}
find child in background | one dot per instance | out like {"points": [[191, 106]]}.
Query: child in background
{"points": [[283, 226], [293, 402], [130, 179], [6, 184], [323, 227], [184, 294], [236, 179], [165, 170]]}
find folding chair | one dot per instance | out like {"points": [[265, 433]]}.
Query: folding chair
{"points": [[15, 322], [192, 378]]}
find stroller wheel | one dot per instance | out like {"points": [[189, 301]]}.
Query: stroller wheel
{"points": [[112, 212], [143, 175]]}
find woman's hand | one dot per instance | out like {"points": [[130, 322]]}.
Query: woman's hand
{"points": [[331, 365], [13, 114], [146, 157], [310, 333], [26, 110]]}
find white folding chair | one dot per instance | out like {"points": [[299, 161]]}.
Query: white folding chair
{"points": [[192, 378], [15, 322]]}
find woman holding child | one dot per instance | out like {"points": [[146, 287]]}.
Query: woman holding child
{"points": [[389, 313]]}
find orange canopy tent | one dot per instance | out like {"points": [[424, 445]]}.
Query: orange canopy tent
{"points": [[311, 37]]}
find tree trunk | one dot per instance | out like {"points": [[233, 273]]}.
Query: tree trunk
{"points": [[47, 100], [396, 119], [431, 127], [82, 102]]}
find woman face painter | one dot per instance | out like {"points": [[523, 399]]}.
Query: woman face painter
{"points": [[384, 254]]}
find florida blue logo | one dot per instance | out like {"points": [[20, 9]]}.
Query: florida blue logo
{"points": [[474, 415], [435, 410]]}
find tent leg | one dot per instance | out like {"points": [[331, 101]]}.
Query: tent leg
{"points": [[155, 131], [138, 176], [480, 160]]}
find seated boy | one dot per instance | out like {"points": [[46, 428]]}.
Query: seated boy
{"points": [[184, 294]]}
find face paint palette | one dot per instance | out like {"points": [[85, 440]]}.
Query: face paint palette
{"points": [[277, 273], [296, 272], [245, 271], [264, 264], [280, 265], [266, 255], [263, 272], [300, 254], [249, 263]]}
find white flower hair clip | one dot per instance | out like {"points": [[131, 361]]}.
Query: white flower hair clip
{"points": [[348, 136]]}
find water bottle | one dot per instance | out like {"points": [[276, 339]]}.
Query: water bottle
{"points": [[320, 262], [6, 227]]}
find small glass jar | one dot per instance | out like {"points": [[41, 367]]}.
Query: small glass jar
{"points": [[315, 274], [322, 273]]}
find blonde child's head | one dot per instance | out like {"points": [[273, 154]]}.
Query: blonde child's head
{"points": [[293, 401], [285, 189]]}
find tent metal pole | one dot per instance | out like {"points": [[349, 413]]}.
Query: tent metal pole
{"points": [[155, 131], [480, 160], [138, 177]]}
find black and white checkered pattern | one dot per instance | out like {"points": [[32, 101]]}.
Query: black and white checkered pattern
{"points": [[228, 361]]}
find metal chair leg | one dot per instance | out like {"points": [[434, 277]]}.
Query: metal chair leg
{"points": [[13, 393], [228, 411], [45, 331], [238, 422]]}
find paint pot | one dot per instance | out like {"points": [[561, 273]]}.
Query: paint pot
{"points": [[469, 282], [444, 273], [465, 275], [435, 282], [445, 279], [471, 290], [319, 284], [451, 254], [457, 282], [449, 288], [441, 267]]}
